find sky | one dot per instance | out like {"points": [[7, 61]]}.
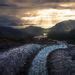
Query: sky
{"points": [[31, 1], [25, 1], [36, 12]]}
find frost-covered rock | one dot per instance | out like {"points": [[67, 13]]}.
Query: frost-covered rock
{"points": [[18, 59], [61, 62], [39, 63]]}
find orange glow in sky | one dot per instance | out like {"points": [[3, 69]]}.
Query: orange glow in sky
{"points": [[49, 17]]}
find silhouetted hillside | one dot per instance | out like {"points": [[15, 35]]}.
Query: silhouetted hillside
{"points": [[63, 30]]}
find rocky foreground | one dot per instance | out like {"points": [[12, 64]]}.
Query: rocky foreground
{"points": [[29, 52], [37, 59]]}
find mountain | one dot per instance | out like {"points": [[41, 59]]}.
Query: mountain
{"points": [[63, 30]]}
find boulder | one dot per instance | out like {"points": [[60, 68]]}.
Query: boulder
{"points": [[63, 30], [39, 64], [36, 59], [61, 61], [17, 61]]}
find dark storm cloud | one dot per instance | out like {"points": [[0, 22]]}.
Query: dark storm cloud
{"points": [[31, 1], [40, 1], [28, 1], [5, 1], [2, 1]]}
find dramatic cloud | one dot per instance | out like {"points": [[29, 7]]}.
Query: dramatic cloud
{"points": [[28, 1], [32, 1]]}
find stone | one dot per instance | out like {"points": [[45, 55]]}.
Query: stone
{"points": [[39, 63], [17, 61], [61, 61]]}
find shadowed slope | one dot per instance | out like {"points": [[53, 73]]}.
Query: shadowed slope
{"points": [[34, 31], [13, 34], [63, 30]]}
